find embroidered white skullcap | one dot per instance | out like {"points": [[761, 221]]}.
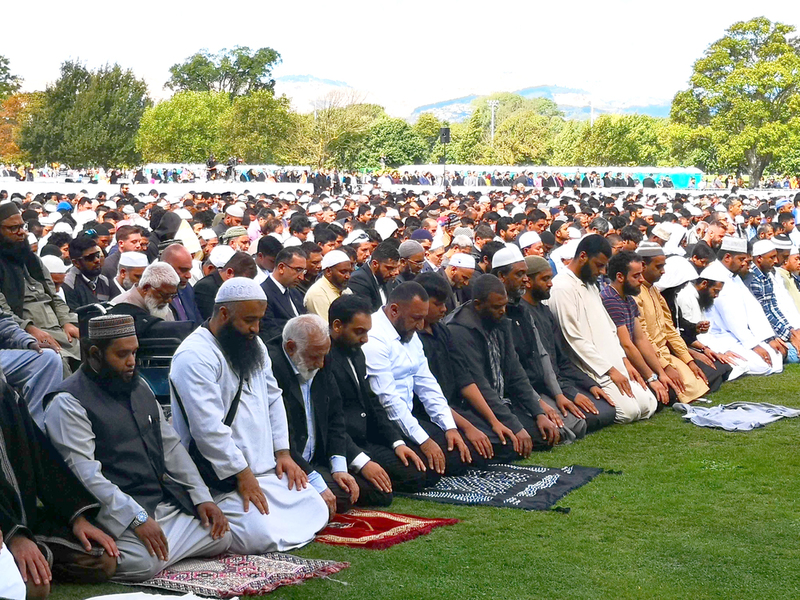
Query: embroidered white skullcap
{"points": [[763, 247], [220, 256], [716, 272], [649, 249], [54, 264], [208, 234], [128, 209], [734, 244], [529, 238], [506, 256], [462, 260], [662, 231], [239, 289], [333, 258], [235, 211], [133, 259]]}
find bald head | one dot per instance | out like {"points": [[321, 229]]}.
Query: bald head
{"points": [[181, 260]]}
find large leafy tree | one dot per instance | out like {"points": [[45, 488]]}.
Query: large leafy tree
{"points": [[258, 128], [624, 140], [744, 96], [185, 128], [9, 83], [14, 112], [239, 71], [87, 118], [526, 137], [393, 140]]}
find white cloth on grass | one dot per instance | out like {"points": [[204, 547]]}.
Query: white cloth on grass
{"points": [[736, 416], [11, 584]]}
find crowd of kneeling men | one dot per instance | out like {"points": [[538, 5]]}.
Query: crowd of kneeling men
{"points": [[411, 339]]}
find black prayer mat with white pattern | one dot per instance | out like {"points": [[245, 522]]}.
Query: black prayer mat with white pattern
{"points": [[509, 486]]}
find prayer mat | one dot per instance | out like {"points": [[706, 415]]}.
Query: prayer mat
{"points": [[375, 529], [736, 416], [236, 575], [509, 486]]}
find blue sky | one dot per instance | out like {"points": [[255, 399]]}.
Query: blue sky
{"points": [[403, 54]]}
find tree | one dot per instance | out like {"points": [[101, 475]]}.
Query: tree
{"points": [[258, 128], [395, 141], [237, 72], [526, 138], [87, 118], [185, 128], [510, 104], [14, 112], [624, 140], [9, 84], [743, 95], [427, 128], [567, 149]]}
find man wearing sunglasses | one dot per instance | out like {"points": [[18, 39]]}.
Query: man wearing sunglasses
{"points": [[84, 283]]}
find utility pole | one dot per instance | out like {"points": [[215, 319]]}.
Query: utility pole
{"points": [[493, 104]]}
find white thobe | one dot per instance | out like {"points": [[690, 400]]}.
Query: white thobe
{"points": [[593, 344], [784, 299], [396, 371], [207, 384], [11, 584]]}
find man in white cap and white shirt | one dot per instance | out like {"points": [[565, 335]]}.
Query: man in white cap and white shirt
{"points": [[737, 320], [458, 273], [222, 384], [336, 269], [234, 214], [530, 243], [129, 271]]}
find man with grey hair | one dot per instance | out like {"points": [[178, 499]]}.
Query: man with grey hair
{"points": [[412, 260], [229, 412], [314, 409], [157, 287]]}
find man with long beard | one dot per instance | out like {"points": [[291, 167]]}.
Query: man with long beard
{"points": [[228, 408], [590, 333], [112, 433], [28, 294]]}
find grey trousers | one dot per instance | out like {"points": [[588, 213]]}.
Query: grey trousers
{"points": [[35, 374]]}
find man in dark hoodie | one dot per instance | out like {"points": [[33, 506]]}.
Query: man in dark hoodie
{"points": [[164, 230], [483, 336]]}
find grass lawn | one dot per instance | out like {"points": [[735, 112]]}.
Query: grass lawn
{"points": [[697, 513]]}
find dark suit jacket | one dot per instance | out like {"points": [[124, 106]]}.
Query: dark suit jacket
{"points": [[363, 283], [205, 291], [365, 419], [187, 300], [279, 309], [331, 437]]}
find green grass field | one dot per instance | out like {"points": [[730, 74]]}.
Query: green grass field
{"points": [[697, 513]]}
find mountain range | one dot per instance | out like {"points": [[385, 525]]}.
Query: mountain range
{"points": [[305, 90]]}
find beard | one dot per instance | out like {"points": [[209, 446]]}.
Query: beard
{"points": [[111, 381], [630, 290], [302, 366], [704, 299], [586, 275], [157, 310], [515, 294], [127, 283], [16, 252], [245, 354], [539, 295]]}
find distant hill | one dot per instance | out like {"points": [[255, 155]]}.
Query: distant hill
{"points": [[304, 90]]}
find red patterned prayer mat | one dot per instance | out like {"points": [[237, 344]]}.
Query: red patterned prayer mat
{"points": [[236, 575], [376, 529]]}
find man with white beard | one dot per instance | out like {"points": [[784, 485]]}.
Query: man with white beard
{"points": [[131, 267], [149, 301]]}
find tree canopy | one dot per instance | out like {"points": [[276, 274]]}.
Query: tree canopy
{"points": [[9, 83], [238, 72], [744, 96]]}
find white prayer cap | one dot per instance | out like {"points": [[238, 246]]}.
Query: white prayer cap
{"points": [[385, 227], [54, 264], [485, 200], [763, 247], [110, 204], [734, 244], [574, 233], [220, 256], [208, 234], [357, 236], [462, 260], [239, 289], [313, 209], [529, 238], [506, 256], [32, 239], [133, 259], [128, 209], [51, 206], [794, 250], [462, 241], [662, 231], [715, 272], [184, 214], [649, 249], [175, 200], [235, 211], [49, 220], [292, 241], [61, 226], [781, 241], [333, 258]]}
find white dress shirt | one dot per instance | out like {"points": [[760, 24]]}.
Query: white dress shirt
{"points": [[396, 371]]}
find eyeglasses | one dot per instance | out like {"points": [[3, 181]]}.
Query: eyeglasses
{"points": [[14, 228], [416, 263], [92, 257], [298, 270]]}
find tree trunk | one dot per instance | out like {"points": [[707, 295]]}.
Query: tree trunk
{"points": [[756, 163]]}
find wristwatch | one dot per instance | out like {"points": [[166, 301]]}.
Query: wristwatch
{"points": [[139, 519], [652, 378]]}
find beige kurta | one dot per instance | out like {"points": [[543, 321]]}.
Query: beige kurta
{"points": [[320, 296], [656, 320], [593, 344], [787, 280]]}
